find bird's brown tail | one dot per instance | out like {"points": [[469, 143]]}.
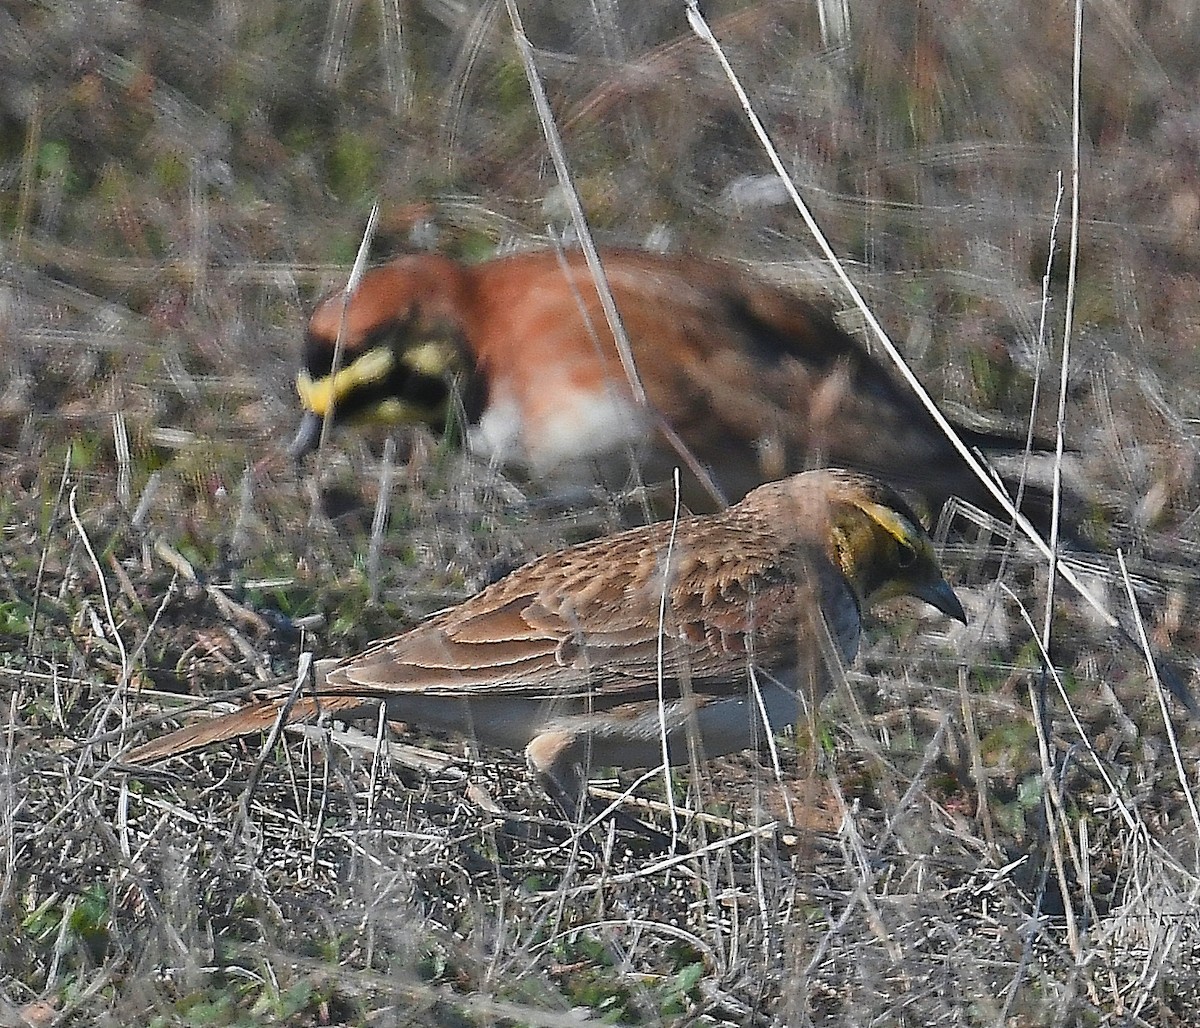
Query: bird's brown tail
{"points": [[251, 720]]}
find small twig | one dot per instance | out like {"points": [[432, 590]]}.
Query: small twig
{"points": [[377, 758], [229, 608], [677, 860], [146, 501], [281, 720], [578, 218], [167, 597], [51, 525], [29, 167], [977, 769], [1068, 326], [379, 520], [237, 538], [357, 270], [1130, 820], [1057, 828], [316, 515], [1039, 363], [108, 610], [9, 804], [660, 657], [1148, 655], [124, 461]]}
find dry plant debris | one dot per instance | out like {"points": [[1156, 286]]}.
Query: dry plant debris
{"points": [[178, 186]]}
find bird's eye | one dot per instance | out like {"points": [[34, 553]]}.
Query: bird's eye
{"points": [[906, 556]]}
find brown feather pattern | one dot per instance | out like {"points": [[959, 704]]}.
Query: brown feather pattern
{"points": [[579, 647]]}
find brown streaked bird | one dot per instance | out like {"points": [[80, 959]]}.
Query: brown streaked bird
{"points": [[568, 656], [756, 381]]}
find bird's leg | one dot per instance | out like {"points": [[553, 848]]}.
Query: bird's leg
{"points": [[559, 760]]}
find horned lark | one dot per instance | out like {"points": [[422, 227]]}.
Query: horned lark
{"points": [[620, 650], [757, 382]]}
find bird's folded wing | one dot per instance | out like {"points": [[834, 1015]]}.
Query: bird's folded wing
{"points": [[596, 626], [611, 645]]}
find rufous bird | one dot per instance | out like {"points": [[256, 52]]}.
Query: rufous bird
{"points": [[614, 651], [756, 381]]}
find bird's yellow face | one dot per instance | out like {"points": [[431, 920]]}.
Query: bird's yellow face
{"points": [[884, 551], [389, 378], [377, 385], [320, 394]]}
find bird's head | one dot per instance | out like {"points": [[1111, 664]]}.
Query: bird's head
{"points": [[401, 338], [882, 547], [871, 534]]}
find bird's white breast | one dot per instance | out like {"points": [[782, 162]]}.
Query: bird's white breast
{"points": [[566, 439]]}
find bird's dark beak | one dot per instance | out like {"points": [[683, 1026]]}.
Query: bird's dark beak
{"points": [[939, 594], [308, 435]]}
